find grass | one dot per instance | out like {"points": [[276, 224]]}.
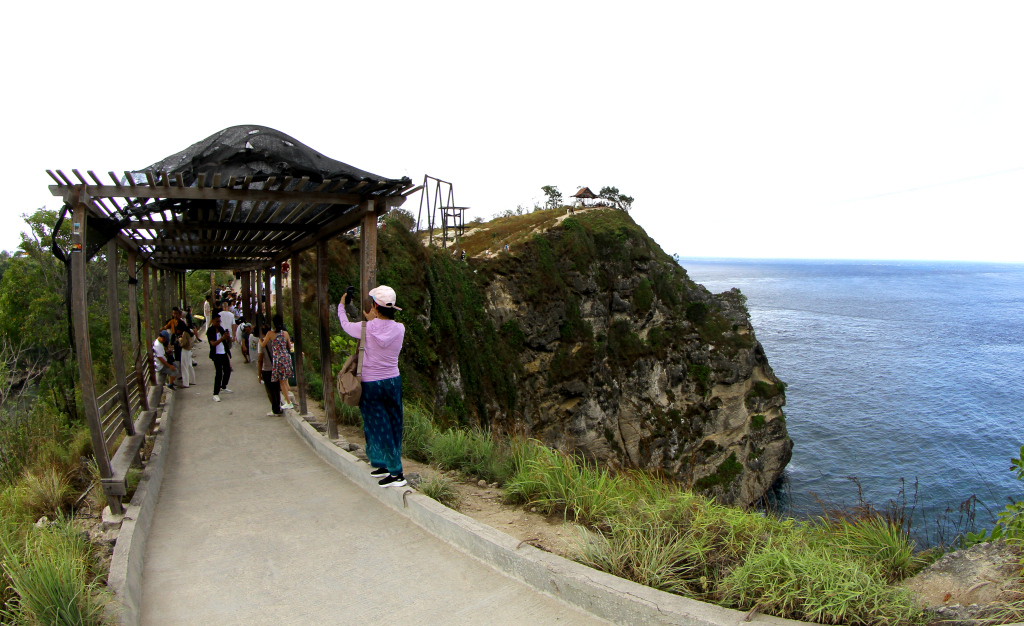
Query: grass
{"points": [[52, 572], [654, 532], [442, 490]]}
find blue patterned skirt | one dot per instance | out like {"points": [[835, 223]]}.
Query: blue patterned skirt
{"points": [[381, 406]]}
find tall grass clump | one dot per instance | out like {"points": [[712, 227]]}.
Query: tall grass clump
{"points": [[52, 572], [46, 491], [555, 482], [417, 432], [471, 451], [442, 490], [794, 579], [682, 543]]}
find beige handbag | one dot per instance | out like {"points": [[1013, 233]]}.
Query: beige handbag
{"points": [[350, 383]]}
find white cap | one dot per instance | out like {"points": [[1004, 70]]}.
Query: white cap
{"points": [[384, 296]]}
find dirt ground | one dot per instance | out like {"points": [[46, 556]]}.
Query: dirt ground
{"points": [[551, 533]]}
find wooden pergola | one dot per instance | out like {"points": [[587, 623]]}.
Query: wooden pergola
{"points": [[247, 198]]}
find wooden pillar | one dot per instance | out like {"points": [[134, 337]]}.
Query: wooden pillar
{"points": [[80, 312], [213, 288], [257, 320], [246, 302], [300, 372], [368, 254], [269, 315], [116, 346], [133, 323], [278, 290], [323, 315], [147, 301]]}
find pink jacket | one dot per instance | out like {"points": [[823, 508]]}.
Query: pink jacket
{"points": [[383, 343]]}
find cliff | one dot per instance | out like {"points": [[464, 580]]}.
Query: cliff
{"points": [[587, 336]]}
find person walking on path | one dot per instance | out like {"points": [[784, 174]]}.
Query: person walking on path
{"points": [[188, 374], [216, 337], [265, 365], [160, 362], [381, 399], [278, 346]]}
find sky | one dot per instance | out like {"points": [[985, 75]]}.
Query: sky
{"points": [[868, 130]]}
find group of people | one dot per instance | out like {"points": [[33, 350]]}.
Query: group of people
{"points": [[224, 328], [380, 401]]}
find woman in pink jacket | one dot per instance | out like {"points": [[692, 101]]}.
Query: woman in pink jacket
{"points": [[381, 399]]}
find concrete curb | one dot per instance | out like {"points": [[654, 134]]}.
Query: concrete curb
{"points": [[125, 578], [603, 595]]}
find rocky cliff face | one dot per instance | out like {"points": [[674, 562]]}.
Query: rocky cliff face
{"points": [[627, 361], [587, 336]]}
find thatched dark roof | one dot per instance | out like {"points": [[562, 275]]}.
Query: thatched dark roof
{"points": [[585, 193], [259, 152]]}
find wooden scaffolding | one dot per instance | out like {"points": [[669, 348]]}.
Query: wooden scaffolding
{"points": [[204, 215]]}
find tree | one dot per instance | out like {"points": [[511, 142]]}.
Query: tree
{"points": [[620, 200], [554, 196]]}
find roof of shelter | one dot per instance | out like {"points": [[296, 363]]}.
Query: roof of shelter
{"points": [[245, 197], [584, 192]]}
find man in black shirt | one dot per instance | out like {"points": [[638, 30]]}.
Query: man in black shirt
{"points": [[216, 336]]}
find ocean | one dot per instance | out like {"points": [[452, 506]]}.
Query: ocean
{"points": [[896, 371]]}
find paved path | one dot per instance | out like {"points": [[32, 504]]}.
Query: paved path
{"points": [[252, 528]]}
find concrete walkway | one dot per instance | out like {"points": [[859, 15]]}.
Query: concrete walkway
{"points": [[252, 528]]}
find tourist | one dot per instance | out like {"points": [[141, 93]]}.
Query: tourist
{"points": [[218, 338], [227, 322], [241, 337], [160, 362], [381, 399], [278, 345], [188, 373], [265, 366]]}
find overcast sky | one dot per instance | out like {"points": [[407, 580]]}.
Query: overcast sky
{"points": [[869, 130]]}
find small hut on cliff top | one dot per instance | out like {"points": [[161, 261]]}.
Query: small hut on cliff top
{"points": [[584, 197]]}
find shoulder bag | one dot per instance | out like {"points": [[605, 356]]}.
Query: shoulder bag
{"points": [[350, 384]]}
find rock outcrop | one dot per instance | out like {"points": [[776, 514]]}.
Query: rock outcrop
{"points": [[587, 336], [660, 374]]}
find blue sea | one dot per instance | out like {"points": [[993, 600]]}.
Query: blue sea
{"points": [[896, 370]]}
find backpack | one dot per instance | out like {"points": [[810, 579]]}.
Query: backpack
{"points": [[350, 384]]}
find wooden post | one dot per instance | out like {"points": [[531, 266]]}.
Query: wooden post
{"points": [[368, 254], [256, 288], [278, 289], [266, 296], [246, 311], [162, 307], [133, 323], [260, 293], [116, 347], [147, 300], [80, 312], [324, 313], [300, 372], [213, 290]]}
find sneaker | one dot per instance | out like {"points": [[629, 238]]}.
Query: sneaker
{"points": [[288, 406], [379, 472], [171, 387], [226, 390], [392, 481], [216, 398], [272, 414]]}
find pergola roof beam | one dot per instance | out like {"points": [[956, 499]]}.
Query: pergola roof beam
{"points": [[208, 193]]}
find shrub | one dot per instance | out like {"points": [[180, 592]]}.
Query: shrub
{"points": [[46, 492], [472, 452], [643, 297], [874, 540], [792, 579], [53, 576], [696, 312], [757, 422]]}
